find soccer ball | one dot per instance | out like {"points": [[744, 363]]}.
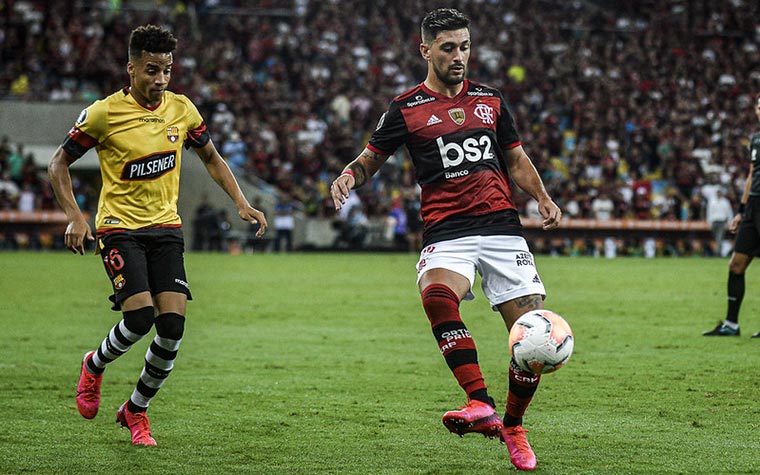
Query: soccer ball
{"points": [[541, 341]]}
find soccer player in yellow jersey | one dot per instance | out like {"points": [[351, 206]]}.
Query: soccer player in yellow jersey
{"points": [[138, 134]]}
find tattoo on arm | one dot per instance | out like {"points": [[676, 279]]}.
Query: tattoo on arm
{"points": [[370, 155], [360, 173]]}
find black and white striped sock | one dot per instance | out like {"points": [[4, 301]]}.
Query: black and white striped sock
{"points": [[130, 329], [159, 360]]}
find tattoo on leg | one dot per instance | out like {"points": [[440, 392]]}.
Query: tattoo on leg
{"points": [[529, 302]]}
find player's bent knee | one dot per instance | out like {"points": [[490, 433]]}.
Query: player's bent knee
{"points": [[170, 325], [140, 321], [739, 263]]}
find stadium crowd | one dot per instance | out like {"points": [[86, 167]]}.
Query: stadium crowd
{"points": [[630, 109]]}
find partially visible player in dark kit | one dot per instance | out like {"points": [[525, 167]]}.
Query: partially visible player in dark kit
{"points": [[746, 225]]}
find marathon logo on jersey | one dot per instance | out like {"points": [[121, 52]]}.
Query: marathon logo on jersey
{"points": [[150, 167], [485, 113], [172, 133], [457, 115], [474, 149], [152, 120]]}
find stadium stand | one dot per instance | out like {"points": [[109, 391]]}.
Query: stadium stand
{"points": [[645, 103]]}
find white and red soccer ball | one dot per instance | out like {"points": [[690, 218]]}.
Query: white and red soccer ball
{"points": [[541, 341]]}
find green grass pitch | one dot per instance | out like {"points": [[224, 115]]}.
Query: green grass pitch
{"points": [[325, 364]]}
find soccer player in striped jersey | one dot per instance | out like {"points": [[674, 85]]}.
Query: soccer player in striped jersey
{"points": [[138, 133], [465, 149]]}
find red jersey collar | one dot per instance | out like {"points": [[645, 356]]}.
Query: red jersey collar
{"points": [[465, 87]]}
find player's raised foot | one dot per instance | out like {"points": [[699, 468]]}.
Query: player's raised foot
{"points": [[520, 453], [88, 390], [723, 329], [476, 416], [755, 335], [138, 425]]}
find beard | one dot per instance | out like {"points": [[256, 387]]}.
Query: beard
{"points": [[446, 77]]}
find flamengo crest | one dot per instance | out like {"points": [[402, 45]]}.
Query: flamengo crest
{"points": [[484, 113]]}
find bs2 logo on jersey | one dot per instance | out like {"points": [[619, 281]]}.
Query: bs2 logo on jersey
{"points": [[473, 149]]}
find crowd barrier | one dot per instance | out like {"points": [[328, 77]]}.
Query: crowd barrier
{"points": [[574, 236], [615, 237], [32, 230]]}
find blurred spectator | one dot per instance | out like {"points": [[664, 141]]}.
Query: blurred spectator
{"points": [[284, 223], [7, 202], [531, 209], [356, 230], [204, 224], [602, 206], [397, 223], [235, 151], [413, 221], [10, 190], [718, 213], [27, 200], [696, 207], [16, 163], [223, 120], [219, 228], [642, 199]]}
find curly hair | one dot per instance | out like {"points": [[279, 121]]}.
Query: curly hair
{"points": [[152, 39], [443, 19]]}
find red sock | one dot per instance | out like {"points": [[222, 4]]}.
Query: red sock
{"points": [[522, 387], [441, 305]]}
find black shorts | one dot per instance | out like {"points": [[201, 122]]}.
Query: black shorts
{"points": [[748, 235], [144, 260]]}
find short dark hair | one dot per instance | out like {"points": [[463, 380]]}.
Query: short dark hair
{"points": [[443, 19], [152, 39]]}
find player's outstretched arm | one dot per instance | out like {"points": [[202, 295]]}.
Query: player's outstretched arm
{"points": [[355, 175], [733, 225], [77, 230], [220, 172], [525, 175]]}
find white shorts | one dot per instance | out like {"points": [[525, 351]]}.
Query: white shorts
{"points": [[505, 265]]}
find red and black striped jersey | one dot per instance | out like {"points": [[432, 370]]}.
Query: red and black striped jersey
{"points": [[456, 145]]}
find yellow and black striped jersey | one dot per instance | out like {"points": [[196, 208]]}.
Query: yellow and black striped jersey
{"points": [[140, 153]]}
